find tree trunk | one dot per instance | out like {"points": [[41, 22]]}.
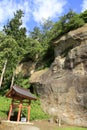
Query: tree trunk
{"points": [[3, 71], [13, 76], [12, 81]]}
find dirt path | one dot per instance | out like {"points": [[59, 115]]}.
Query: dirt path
{"points": [[37, 125], [45, 125]]}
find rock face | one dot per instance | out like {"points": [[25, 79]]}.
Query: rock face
{"points": [[26, 68], [63, 88]]}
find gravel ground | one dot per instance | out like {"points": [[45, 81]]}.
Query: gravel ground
{"points": [[45, 125], [37, 125]]}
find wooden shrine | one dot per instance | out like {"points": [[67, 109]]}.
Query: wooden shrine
{"points": [[19, 96]]}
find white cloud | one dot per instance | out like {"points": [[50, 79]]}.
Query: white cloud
{"points": [[9, 7], [84, 5], [33, 9], [48, 8]]}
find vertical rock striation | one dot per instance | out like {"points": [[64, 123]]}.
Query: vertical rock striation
{"points": [[63, 88]]}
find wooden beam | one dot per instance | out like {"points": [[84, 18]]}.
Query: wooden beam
{"points": [[28, 113], [10, 111], [19, 112]]}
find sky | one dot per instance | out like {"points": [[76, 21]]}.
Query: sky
{"points": [[35, 11]]}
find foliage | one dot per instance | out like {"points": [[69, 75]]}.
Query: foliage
{"points": [[46, 25], [14, 28], [83, 15], [40, 40], [34, 49], [12, 45], [15, 45], [75, 22], [36, 34], [22, 81], [36, 111], [9, 51], [4, 108], [69, 21], [37, 45]]}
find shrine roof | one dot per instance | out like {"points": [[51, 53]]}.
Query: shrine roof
{"points": [[19, 93]]}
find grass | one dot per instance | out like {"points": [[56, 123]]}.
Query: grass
{"points": [[4, 107], [36, 111]]}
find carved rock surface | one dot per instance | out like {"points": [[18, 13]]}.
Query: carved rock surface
{"points": [[63, 88]]}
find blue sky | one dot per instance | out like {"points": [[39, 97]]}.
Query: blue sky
{"points": [[38, 10]]}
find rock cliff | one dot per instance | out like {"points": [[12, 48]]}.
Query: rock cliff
{"points": [[63, 87]]}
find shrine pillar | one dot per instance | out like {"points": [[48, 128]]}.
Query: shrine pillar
{"points": [[10, 111], [19, 112], [28, 113]]}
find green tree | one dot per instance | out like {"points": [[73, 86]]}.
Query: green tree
{"points": [[34, 49], [64, 20], [83, 15], [67, 22], [56, 29], [75, 22], [36, 34], [14, 28], [39, 44], [46, 34], [9, 51], [46, 25]]}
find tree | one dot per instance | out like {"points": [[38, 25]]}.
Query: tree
{"points": [[9, 51], [40, 37], [83, 15], [56, 29], [18, 33], [2, 74], [67, 22], [36, 34], [14, 28], [75, 22], [34, 49], [70, 15], [46, 25]]}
